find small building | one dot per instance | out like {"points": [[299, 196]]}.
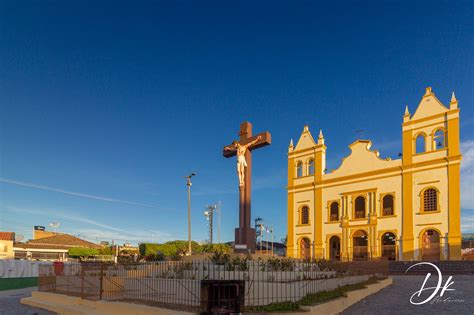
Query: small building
{"points": [[6, 245], [265, 248], [50, 247]]}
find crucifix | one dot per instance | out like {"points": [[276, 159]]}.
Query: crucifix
{"points": [[244, 234]]}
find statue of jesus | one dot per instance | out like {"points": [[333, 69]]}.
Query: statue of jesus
{"points": [[241, 162]]}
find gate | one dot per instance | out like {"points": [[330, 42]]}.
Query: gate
{"points": [[222, 296]]}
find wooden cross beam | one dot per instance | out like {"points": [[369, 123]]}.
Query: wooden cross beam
{"points": [[245, 235]]}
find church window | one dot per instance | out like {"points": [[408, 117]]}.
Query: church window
{"points": [[334, 212], [439, 140], [359, 207], [430, 200], [420, 144], [311, 167], [299, 169], [304, 217], [387, 205]]}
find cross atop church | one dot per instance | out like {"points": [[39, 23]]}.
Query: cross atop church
{"points": [[244, 234]]}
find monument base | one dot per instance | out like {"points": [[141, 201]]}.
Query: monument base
{"points": [[244, 240]]}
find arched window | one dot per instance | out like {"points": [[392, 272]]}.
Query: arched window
{"points": [[387, 205], [304, 218], [359, 207], [311, 167], [439, 140], [299, 169], [430, 200], [334, 212], [420, 144]]}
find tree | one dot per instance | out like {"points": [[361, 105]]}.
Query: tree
{"points": [[107, 250], [82, 252], [215, 248]]}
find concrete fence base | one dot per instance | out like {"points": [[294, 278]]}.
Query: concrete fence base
{"points": [[70, 305]]}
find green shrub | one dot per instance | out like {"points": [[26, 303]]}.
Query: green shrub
{"points": [[168, 249], [107, 250], [287, 306], [82, 252], [322, 296], [239, 263], [220, 258], [312, 299], [213, 248]]}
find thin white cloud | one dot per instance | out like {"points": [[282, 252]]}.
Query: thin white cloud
{"points": [[102, 232], [467, 223], [72, 193], [133, 236], [61, 215]]}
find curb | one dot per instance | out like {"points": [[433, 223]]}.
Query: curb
{"points": [[338, 305]]}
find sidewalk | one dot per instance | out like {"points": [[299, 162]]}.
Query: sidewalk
{"points": [[10, 303]]}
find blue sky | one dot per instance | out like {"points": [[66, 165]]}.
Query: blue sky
{"points": [[105, 107]]}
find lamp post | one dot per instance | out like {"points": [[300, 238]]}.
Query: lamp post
{"points": [[188, 183], [273, 237]]}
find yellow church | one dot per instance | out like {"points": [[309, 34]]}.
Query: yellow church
{"points": [[378, 208]]}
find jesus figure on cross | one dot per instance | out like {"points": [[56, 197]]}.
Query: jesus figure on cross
{"points": [[241, 162]]}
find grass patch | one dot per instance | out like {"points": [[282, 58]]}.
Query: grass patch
{"points": [[314, 298], [17, 283], [324, 296]]}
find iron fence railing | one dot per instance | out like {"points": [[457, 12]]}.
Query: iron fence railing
{"points": [[178, 284]]}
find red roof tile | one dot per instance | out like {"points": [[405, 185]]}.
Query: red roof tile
{"points": [[7, 236], [62, 240]]}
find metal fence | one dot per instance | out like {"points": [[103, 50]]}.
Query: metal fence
{"points": [[178, 285]]}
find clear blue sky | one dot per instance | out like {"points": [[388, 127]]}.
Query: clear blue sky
{"points": [[119, 101]]}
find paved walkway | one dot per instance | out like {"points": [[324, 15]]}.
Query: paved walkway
{"points": [[395, 299], [10, 303]]}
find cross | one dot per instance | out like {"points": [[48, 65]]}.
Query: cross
{"points": [[244, 234]]}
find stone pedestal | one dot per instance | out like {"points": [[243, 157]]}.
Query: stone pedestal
{"points": [[244, 240]]}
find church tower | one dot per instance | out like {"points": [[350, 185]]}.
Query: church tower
{"points": [[306, 166], [431, 179]]}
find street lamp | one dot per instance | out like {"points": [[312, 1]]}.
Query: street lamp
{"points": [[188, 183]]}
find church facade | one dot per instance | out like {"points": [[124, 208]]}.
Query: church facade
{"points": [[373, 207]]}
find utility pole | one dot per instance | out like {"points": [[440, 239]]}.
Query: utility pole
{"points": [[188, 183], [219, 222], [273, 238]]}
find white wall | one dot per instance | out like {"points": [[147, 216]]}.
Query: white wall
{"points": [[10, 268]]}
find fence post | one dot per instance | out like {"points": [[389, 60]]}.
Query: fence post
{"points": [[101, 280], [82, 280]]}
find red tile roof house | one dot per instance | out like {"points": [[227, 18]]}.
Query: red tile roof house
{"points": [[53, 247], [6, 244]]}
